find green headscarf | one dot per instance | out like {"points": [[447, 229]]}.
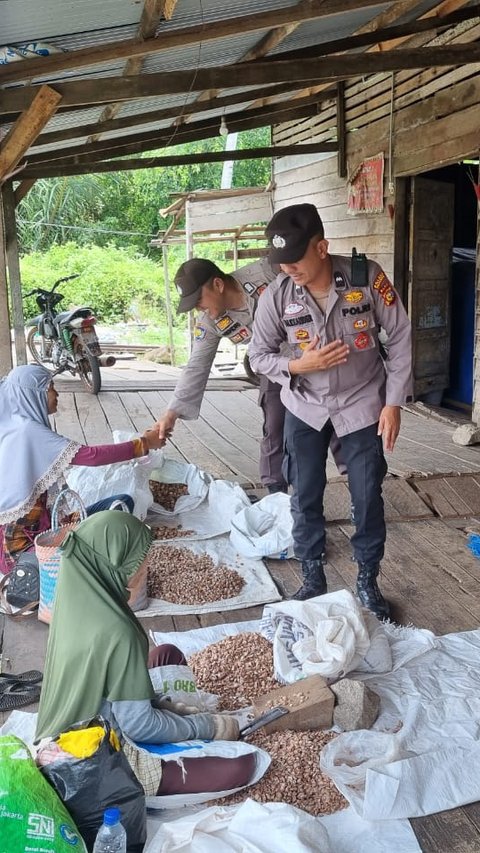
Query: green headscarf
{"points": [[97, 649]]}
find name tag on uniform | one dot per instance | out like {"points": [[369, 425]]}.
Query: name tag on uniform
{"points": [[298, 321]]}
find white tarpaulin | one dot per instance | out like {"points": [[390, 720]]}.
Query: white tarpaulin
{"points": [[258, 589]]}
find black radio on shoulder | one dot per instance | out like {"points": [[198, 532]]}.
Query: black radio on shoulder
{"points": [[359, 276]]}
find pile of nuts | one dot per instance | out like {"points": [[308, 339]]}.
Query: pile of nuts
{"points": [[167, 494], [294, 776], [163, 532], [183, 577], [237, 669]]}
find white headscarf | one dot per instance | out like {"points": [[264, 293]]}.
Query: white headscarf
{"points": [[32, 455]]}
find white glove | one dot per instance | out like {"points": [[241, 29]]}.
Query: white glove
{"points": [[225, 727]]}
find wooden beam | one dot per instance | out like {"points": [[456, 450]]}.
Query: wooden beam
{"points": [[206, 129], [178, 160], [172, 112], [13, 263], [23, 189], [152, 12], [386, 35], [331, 68], [341, 131], [26, 129], [31, 68], [6, 362]]}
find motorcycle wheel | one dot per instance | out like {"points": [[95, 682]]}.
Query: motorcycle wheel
{"points": [[41, 348], [88, 367]]}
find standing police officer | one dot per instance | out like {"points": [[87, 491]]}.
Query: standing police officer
{"points": [[229, 303], [327, 309]]}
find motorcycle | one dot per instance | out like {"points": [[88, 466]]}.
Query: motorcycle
{"points": [[66, 340]]}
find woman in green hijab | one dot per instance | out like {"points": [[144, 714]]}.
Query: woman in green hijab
{"points": [[97, 662]]}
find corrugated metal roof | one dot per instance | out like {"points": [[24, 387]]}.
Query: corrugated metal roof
{"points": [[78, 25]]}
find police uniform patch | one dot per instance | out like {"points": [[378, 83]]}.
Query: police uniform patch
{"points": [[241, 336], [340, 283], [362, 341], [261, 289], [356, 309], [249, 287], [302, 335], [199, 332], [389, 296], [304, 344], [353, 296], [379, 279], [231, 330], [293, 308], [223, 323], [360, 324], [298, 321]]}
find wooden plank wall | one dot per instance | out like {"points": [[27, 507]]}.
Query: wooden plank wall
{"points": [[435, 122], [476, 358]]}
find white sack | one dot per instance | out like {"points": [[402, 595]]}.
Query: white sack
{"points": [[178, 683], [264, 529], [327, 636], [213, 516], [173, 471], [253, 827]]}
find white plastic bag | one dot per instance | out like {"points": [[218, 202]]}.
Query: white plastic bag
{"points": [[326, 635], [264, 529], [178, 683]]}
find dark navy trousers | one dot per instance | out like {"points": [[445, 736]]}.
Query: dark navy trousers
{"points": [[304, 468]]}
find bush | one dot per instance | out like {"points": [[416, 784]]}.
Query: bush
{"points": [[114, 282]]}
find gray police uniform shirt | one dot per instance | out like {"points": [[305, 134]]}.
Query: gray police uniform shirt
{"points": [[235, 325], [351, 395]]}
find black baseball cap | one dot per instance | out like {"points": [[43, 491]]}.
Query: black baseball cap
{"points": [[290, 231], [189, 280]]}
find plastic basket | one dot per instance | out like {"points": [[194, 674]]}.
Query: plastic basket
{"points": [[47, 549]]}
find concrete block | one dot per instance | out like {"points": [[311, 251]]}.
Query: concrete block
{"points": [[356, 705]]}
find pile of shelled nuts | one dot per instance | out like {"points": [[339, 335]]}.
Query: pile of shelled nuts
{"points": [[167, 494], [183, 577]]}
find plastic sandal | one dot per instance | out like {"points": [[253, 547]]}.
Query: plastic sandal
{"points": [[17, 694], [32, 676]]}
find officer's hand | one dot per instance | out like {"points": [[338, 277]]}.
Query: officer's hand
{"points": [[389, 425], [153, 440], [165, 424], [322, 358]]}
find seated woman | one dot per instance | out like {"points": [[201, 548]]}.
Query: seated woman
{"points": [[97, 656], [33, 457]]}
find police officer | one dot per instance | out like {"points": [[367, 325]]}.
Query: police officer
{"points": [[229, 304], [328, 309]]}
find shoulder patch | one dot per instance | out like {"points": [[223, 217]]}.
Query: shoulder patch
{"points": [[249, 287], [199, 332], [339, 279]]}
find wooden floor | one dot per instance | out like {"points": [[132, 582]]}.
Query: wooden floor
{"points": [[428, 574]]}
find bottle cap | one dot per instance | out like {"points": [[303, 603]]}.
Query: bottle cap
{"points": [[111, 816]]}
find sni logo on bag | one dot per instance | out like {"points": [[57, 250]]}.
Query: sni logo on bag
{"points": [[40, 826]]}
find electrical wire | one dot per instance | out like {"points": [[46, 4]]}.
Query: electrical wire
{"points": [[85, 228]]}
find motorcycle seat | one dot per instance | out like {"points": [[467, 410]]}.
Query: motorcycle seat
{"points": [[66, 316]]}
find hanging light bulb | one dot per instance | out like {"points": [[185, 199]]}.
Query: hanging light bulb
{"points": [[223, 129]]}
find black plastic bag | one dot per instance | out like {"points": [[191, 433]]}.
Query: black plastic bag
{"points": [[88, 786]]}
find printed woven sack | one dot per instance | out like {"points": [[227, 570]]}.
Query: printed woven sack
{"points": [[47, 549]]}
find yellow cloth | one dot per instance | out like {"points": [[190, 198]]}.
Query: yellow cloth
{"points": [[84, 742]]}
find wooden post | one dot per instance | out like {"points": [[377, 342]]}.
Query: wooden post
{"points": [[189, 253], [168, 304], [6, 363], [341, 131], [8, 198], [476, 353]]}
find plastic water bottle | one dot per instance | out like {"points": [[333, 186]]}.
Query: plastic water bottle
{"points": [[111, 837]]}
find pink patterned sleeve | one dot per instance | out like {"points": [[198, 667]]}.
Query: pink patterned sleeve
{"points": [[106, 454]]}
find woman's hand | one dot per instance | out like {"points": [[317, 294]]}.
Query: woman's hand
{"points": [[152, 439]]}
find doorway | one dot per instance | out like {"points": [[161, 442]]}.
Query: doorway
{"points": [[439, 261]]}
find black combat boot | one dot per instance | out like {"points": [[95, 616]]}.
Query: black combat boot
{"points": [[369, 593], [314, 580]]}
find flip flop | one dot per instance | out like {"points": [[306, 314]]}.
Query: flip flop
{"points": [[32, 676], [17, 694]]}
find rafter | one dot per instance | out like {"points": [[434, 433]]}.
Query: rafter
{"points": [[25, 130], [153, 11], [322, 69], [178, 160], [31, 68]]}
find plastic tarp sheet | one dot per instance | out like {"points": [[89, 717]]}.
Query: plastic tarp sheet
{"points": [[258, 588]]}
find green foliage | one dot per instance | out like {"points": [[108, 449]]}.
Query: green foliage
{"points": [[117, 283]]}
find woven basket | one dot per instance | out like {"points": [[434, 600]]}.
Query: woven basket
{"points": [[47, 549]]}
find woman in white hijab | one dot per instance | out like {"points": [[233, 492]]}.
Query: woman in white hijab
{"points": [[33, 457]]}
